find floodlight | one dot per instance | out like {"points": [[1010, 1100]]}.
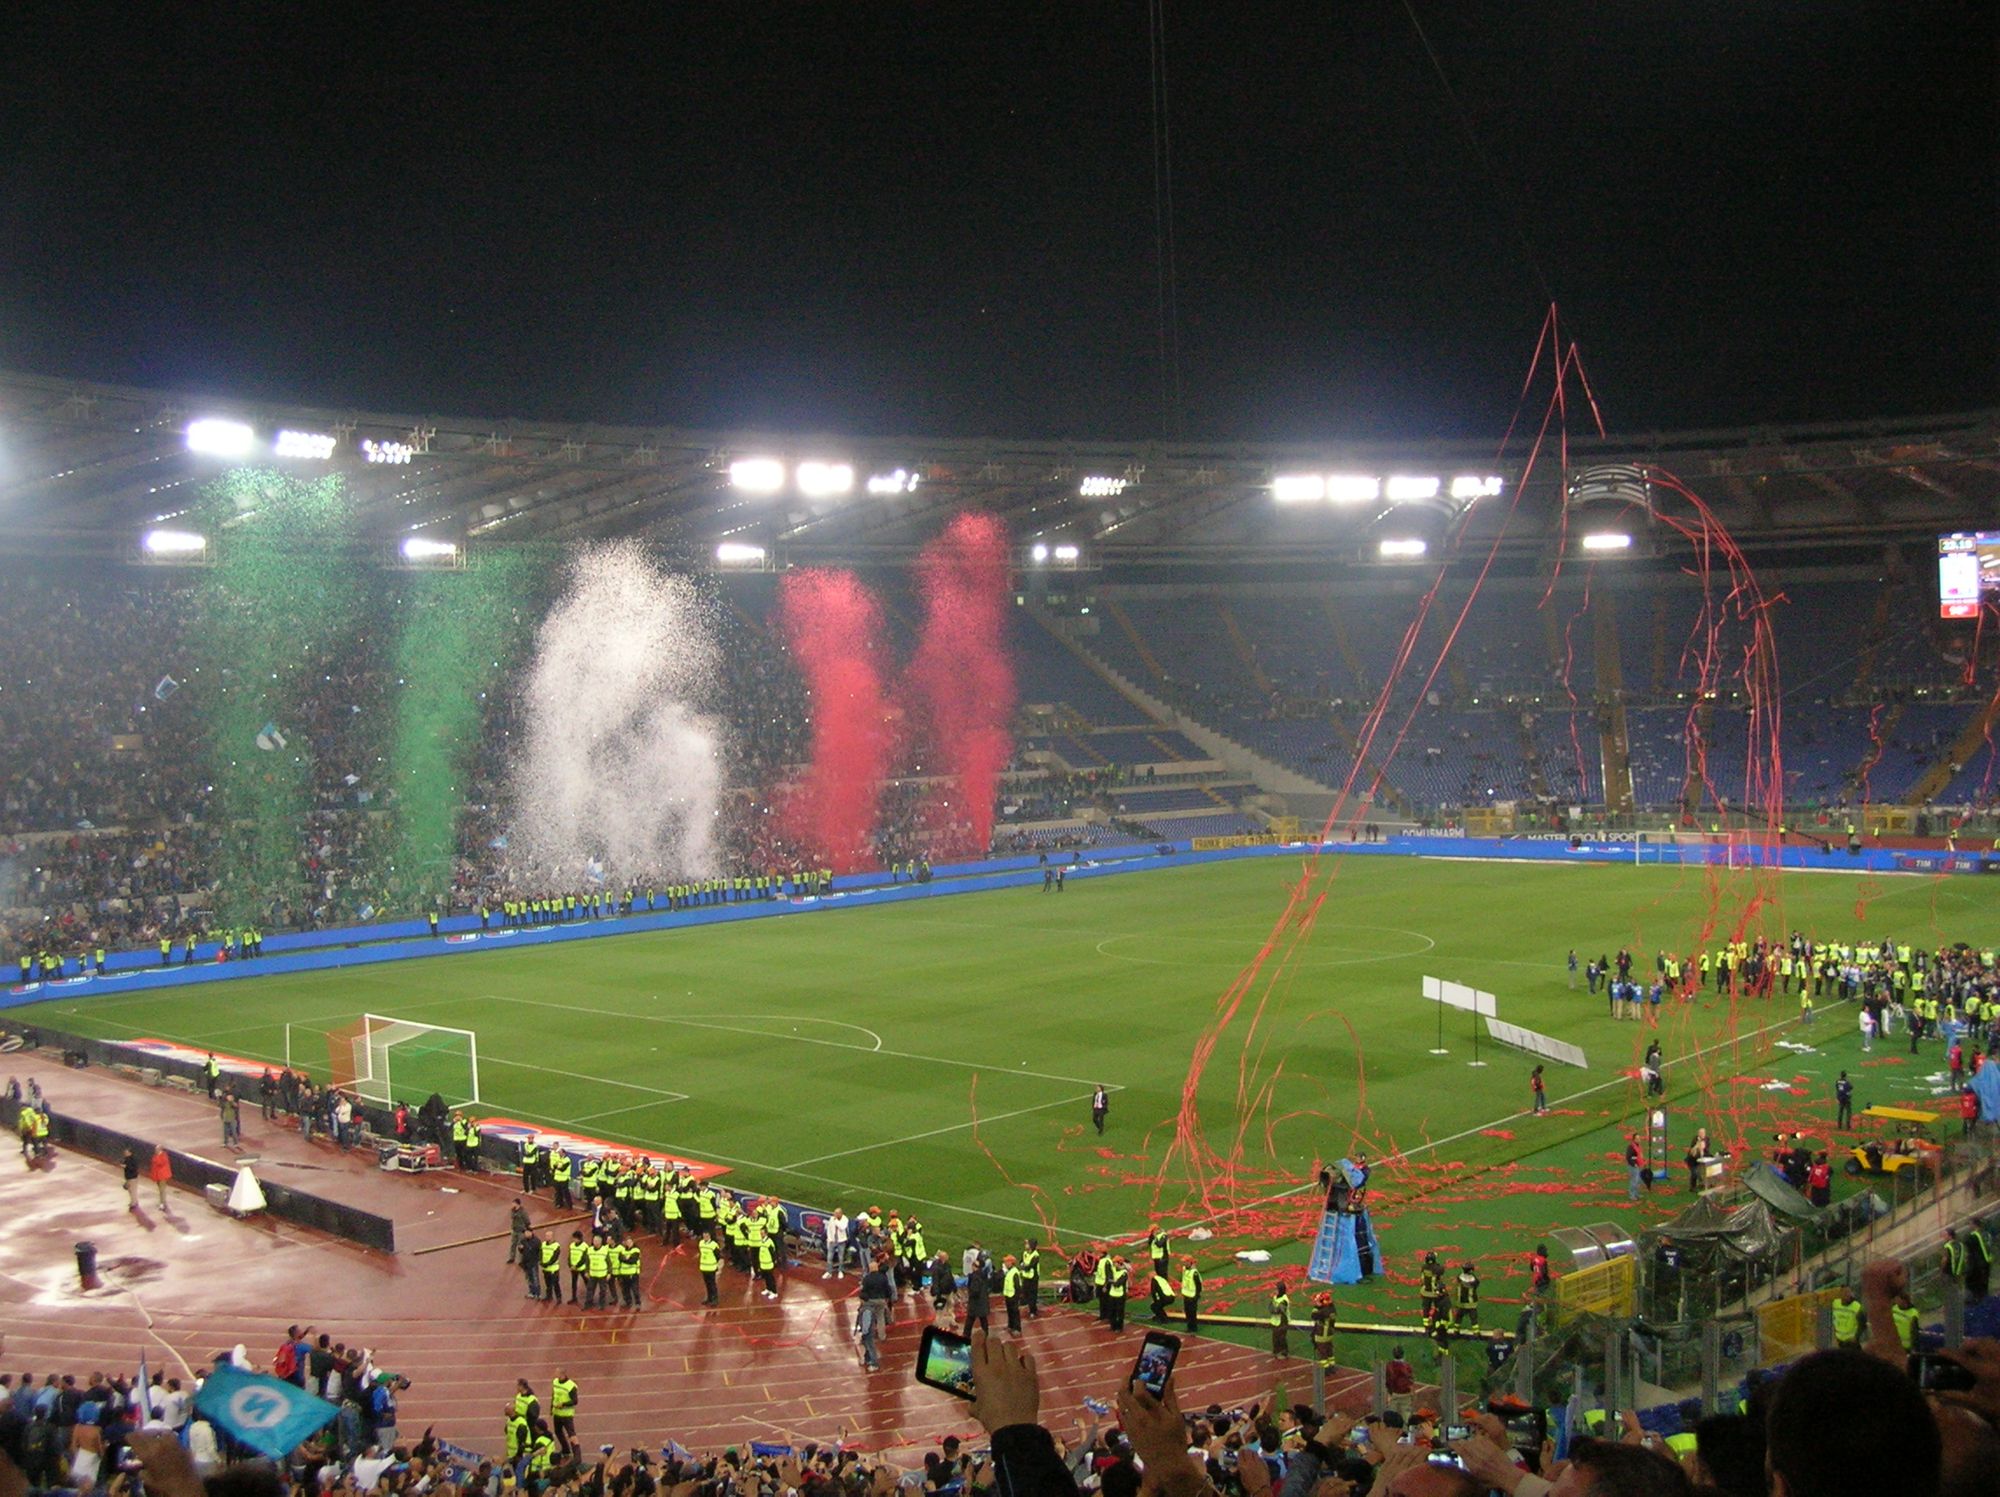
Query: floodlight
{"points": [[424, 548], [387, 452], [897, 482], [1404, 486], [1298, 488], [739, 554], [1607, 540], [306, 444], [173, 543], [757, 475], [1394, 548], [1102, 488], [214, 437], [1353, 488], [1040, 552], [1066, 553], [1465, 486], [822, 480]]}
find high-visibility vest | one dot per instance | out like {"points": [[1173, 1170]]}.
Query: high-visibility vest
{"points": [[517, 1437], [544, 1451], [1908, 1317], [766, 1258], [551, 1256], [1010, 1281], [1114, 1285], [579, 1254], [1847, 1320], [1281, 1309], [600, 1261], [629, 1261], [711, 1257], [562, 1397], [1031, 1263], [560, 1166], [1190, 1282]]}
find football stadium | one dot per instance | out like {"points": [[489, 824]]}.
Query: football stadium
{"points": [[758, 960]]}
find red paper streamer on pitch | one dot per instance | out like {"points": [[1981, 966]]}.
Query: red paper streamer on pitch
{"points": [[834, 628], [963, 680]]}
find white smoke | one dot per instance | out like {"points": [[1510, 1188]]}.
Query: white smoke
{"points": [[618, 769]]}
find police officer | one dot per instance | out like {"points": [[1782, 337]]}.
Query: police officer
{"points": [[562, 1411], [531, 1263], [1117, 1278], [709, 1258], [520, 1437], [551, 1257], [1846, 1319], [597, 1275], [1191, 1294], [629, 1262]]}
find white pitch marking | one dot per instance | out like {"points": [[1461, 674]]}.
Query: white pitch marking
{"points": [[795, 1039], [910, 1138]]}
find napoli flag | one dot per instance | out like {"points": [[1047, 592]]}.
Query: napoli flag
{"points": [[266, 1413]]}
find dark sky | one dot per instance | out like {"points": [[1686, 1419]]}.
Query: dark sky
{"points": [[939, 218]]}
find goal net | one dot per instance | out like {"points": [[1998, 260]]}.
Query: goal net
{"points": [[390, 1060]]}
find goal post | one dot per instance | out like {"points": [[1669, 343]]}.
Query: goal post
{"points": [[387, 1060]]}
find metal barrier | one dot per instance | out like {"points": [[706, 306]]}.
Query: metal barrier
{"points": [[302, 1208], [1609, 1288]]}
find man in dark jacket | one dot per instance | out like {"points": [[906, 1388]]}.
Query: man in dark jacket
{"points": [[979, 1295]]}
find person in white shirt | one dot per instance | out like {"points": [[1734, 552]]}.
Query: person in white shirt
{"points": [[1867, 1022], [836, 1245], [368, 1468], [172, 1405]]}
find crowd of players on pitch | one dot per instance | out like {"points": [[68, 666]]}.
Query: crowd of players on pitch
{"points": [[1951, 991]]}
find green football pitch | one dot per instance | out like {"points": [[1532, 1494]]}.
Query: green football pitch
{"points": [[938, 1055]]}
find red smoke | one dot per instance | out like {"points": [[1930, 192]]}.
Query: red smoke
{"points": [[834, 628], [964, 679]]}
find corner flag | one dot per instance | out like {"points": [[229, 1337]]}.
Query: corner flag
{"points": [[266, 1413]]}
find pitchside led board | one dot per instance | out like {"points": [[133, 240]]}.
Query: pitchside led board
{"points": [[1968, 572]]}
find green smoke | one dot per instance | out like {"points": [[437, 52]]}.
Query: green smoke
{"points": [[275, 610], [459, 632]]}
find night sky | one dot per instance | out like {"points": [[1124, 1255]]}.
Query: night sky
{"points": [[939, 218]]}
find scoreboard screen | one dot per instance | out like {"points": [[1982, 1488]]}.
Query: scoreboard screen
{"points": [[1968, 572]]}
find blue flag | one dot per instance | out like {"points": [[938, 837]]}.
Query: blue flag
{"points": [[766, 1451], [266, 1413]]}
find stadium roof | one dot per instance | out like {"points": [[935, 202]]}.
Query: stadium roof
{"points": [[85, 469]]}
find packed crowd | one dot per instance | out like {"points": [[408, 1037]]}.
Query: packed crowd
{"points": [[107, 788], [1853, 1419]]}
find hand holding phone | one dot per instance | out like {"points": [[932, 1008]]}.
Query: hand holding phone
{"points": [[944, 1362], [1155, 1363], [1935, 1374]]}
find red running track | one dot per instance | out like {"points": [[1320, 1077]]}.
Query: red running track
{"points": [[187, 1283]]}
